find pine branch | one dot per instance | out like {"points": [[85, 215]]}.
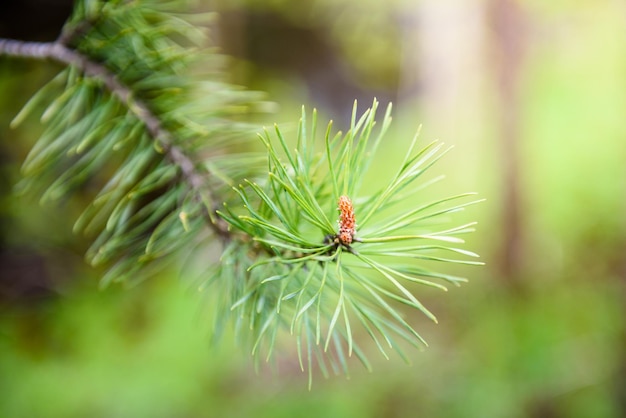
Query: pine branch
{"points": [[132, 111], [59, 52], [320, 276], [306, 249]]}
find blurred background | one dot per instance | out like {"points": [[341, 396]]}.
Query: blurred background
{"points": [[532, 94]]}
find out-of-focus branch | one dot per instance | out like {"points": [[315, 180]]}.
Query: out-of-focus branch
{"points": [[58, 51]]}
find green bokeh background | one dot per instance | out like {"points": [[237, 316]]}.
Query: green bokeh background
{"points": [[549, 342]]}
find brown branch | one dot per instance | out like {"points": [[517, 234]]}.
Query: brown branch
{"points": [[59, 52]]}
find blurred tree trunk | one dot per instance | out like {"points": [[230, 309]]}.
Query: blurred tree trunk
{"points": [[463, 65], [442, 70], [509, 49]]}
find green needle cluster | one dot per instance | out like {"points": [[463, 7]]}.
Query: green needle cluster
{"points": [[141, 117], [295, 274]]}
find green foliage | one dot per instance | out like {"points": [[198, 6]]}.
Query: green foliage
{"points": [[148, 205], [511, 356], [301, 277], [134, 119]]}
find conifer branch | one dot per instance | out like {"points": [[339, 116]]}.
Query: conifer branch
{"points": [[59, 52], [286, 263]]}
